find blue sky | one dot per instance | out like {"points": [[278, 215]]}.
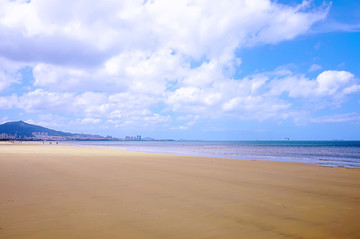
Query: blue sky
{"points": [[215, 70]]}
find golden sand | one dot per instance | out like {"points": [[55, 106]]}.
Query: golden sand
{"points": [[67, 192]]}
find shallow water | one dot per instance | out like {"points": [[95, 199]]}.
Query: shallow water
{"points": [[326, 153]]}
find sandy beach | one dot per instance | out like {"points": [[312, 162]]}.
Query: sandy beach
{"points": [[55, 191]]}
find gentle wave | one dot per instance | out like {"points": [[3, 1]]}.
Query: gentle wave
{"points": [[326, 153]]}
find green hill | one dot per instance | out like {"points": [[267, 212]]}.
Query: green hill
{"points": [[20, 128]]}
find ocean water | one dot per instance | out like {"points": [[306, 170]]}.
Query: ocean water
{"points": [[325, 153]]}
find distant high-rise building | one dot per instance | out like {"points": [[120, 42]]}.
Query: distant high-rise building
{"points": [[3, 136]]}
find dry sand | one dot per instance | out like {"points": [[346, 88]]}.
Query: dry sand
{"points": [[67, 192]]}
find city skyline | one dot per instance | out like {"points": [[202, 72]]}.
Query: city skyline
{"points": [[208, 70]]}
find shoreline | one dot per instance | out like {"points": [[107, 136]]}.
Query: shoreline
{"points": [[58, 191], [341, 163], [124, 149]]}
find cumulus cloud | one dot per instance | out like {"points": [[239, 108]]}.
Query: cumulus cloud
{"points": [[88, 33], [88, 107], [8, 102], [125, 62], [42, 101], [327, 84], [6, 79], [9, 73], [266, 95], [59, 78]]}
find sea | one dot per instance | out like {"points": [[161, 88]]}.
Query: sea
{"points": [[325, 153]]}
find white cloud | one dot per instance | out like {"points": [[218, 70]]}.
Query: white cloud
{"points": [[116, 114], [135, 62], [259, 96], [186, 121], [59, 78], [7, 79], [88, 33], [40, 100], [274, 94], [327, 84], [181, 127], [243, 98], [88, 107], [8, 102], [9, 73], [351, 89], [288, 22], [204, 75], [338, 118], [50, 121], [155, 119], [4, 119], [255, 107], [90, 121], [138, 119], [193, 99], [145, 72], [333, 25], [315, 67]]}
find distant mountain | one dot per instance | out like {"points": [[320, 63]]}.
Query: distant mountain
{"points": [[22, 129]]}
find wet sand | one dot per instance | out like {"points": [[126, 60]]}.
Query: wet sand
{"points": [[54, 191]]}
